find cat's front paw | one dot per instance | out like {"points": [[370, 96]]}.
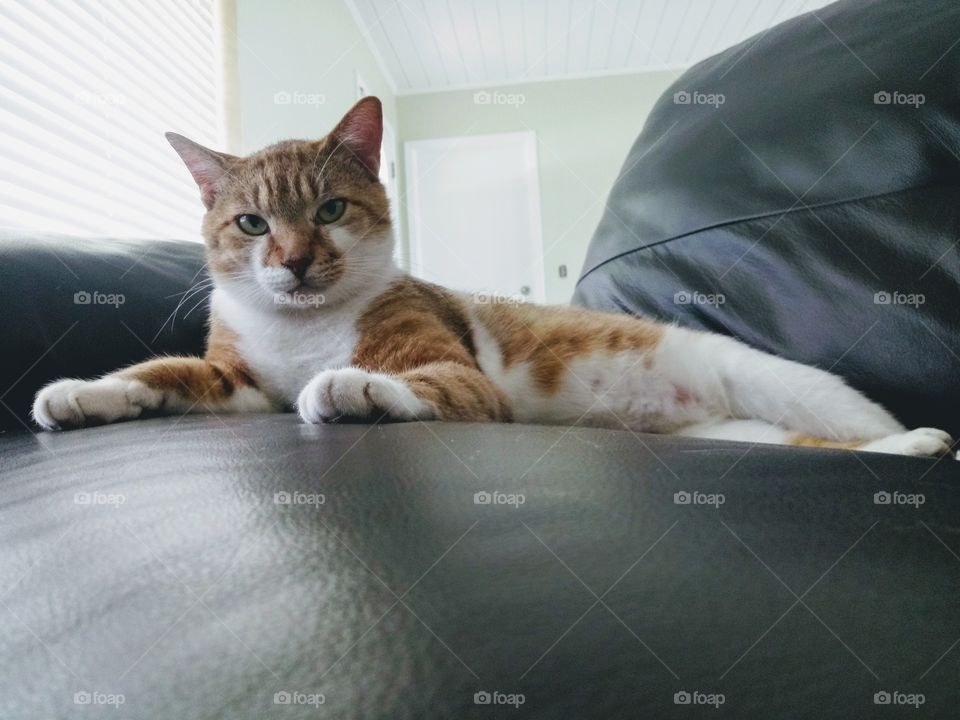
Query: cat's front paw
{"points": [[922, 442], [75, 403], [358, 394]]}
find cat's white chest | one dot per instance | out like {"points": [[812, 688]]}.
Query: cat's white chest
{"points": [[285, 350]]}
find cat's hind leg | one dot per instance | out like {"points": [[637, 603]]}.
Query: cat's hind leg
{"points": [[922, 442], [764, 398], [740, 382]]}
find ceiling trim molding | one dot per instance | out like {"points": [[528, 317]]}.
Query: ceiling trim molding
{"points": [[678, 69]]}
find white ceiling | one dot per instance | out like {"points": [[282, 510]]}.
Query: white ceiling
{"points": [[431, 45]]}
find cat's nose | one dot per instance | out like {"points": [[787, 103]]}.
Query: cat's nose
{"points": [[297, 264]]}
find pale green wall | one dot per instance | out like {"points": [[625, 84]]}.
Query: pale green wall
{"points": [[584, 129], [306, 46]]}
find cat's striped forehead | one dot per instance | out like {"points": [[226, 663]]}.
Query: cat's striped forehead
{"points": [[290, 177]]}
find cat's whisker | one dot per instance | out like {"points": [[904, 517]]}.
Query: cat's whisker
{"points": [[202, 300], [199, 287], [204, 282]]}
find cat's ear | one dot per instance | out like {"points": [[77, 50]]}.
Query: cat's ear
{"points": [[207, 166], [361, 131]]}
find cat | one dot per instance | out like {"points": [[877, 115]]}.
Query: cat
{"points": [[309, 312]]}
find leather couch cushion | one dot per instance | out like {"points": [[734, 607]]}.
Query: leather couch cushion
{"points": [[813, 213], [158, 560]]}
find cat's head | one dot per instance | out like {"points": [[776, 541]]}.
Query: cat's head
{"points": [[301, 223]]}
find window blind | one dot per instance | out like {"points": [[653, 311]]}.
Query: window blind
{"points": [[87, 89]]}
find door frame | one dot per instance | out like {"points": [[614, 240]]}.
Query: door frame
{"points": [[412, 150], [389, 145]]}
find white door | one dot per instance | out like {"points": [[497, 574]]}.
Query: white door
{"points": [[474, 213]]}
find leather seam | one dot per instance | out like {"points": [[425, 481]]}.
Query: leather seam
{"points": [[749, 219]]}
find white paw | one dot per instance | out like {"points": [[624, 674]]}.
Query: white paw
{"points": [[355, 393], [922, 442], [76, 403]]}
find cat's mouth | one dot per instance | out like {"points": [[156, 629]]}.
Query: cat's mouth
{"points": [[322, 276], [300, 290], [308, 285]]}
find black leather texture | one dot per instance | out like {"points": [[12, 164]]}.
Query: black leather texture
{"points": [[801, 191], [82, 307], [157, 560]]}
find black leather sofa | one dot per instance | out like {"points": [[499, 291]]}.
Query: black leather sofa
{"points": [[254, 567]]}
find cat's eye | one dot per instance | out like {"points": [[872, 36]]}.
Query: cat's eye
{"points": [[331, 211], [252, 224]]}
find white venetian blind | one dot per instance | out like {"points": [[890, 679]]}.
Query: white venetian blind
{"points": [[87, 89]]}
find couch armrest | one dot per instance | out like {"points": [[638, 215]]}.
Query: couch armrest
{"points": [[80, 307]]}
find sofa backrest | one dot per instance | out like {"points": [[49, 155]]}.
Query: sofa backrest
{"points": [[801, 191], [81, 307]]}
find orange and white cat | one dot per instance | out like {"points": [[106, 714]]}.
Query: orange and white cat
{"points": [[309, 312]]}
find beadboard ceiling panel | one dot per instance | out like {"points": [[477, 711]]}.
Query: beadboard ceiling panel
{"points": [[431, 45]]}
